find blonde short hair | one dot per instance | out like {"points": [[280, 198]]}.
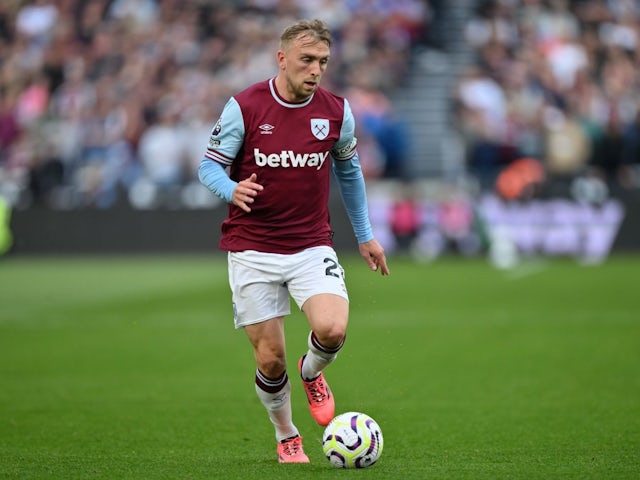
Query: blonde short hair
{"points": [[314, 29]]}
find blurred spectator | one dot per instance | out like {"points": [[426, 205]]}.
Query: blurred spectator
{"points": [[161, 152], [377, 121], [482, 106], [9, 125], [102, 100], [521, 179], [36, 21], [405, 221], [567, 146]]}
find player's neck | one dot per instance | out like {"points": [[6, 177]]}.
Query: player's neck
{"points": [[283, 91]]}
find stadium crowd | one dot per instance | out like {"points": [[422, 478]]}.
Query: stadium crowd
{"points": [[107, 101], [557, 82], [104, 101]]}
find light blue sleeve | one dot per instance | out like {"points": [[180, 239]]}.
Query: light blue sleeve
{"points": [[347, 170], [225, 141], [227, 135], [354, 197], [213, 176]]}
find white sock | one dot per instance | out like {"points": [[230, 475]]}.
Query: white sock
{"points": [[318, 357], [275, 395]]}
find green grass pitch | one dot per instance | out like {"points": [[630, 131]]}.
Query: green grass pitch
{"points": [[129, 368]]}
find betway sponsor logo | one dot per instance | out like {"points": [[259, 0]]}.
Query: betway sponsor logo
{"points": [[288, 158]]}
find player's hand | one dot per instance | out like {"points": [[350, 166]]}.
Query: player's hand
{"points": [[246, 192], [373, 254]]}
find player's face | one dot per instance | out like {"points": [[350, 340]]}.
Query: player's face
{"points": [[302, 65]]}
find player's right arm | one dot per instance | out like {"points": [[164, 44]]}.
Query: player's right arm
{"points": [[215, 178], [225, 141]]}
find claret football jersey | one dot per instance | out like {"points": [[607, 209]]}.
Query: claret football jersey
{"points": [[290, 147]]}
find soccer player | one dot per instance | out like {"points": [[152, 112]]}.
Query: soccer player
{"points": [[281, 138]]}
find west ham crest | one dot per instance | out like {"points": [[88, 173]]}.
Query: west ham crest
{"points": [[320, 128]]}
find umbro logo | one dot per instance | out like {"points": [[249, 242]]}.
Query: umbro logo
{"points": [[265, 129]]}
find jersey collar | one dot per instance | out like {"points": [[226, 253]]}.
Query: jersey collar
{"points": [[276, 96]]}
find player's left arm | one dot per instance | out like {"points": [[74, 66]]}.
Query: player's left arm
{"points": [[347, 170]]}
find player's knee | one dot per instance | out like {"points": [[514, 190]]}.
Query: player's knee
{"points": [[271, 363], [333, 337], [336, 338], [272, 369]]}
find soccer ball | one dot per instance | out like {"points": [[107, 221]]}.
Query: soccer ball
{"points": [[352, 440]]}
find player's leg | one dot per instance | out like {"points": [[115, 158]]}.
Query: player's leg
{"points": [[273, 387], [319, 289], [261, 300], [328, 315], [272, 383]]}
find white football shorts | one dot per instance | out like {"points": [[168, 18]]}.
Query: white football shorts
{"points": [[262, 283]]}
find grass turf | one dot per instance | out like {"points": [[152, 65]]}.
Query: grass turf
{"points": [[129, 368]]}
